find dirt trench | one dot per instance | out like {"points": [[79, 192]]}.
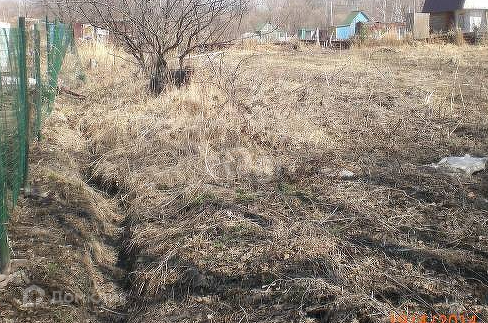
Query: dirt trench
{"points": [[125, 257], [72, 231]]}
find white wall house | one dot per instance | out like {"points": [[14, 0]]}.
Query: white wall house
{"points": [[268, 33], [464, 15], [4, 34], [468, 20]]}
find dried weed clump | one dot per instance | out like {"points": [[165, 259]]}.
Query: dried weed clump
{"points": [[456, 37], [235, 207]]}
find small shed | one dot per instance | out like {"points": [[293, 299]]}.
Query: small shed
{"points": [[314, 35], [88, 32], [464, 15], [348, 28], [268, 33], [306, 34], [418, 25]]}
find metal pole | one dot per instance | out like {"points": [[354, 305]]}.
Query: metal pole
{"points": [[331, 14], [37, 63], [23, 101], [4, 248], [48, 50]]}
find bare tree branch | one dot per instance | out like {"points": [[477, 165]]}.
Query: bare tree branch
{"points": [[153, 30]]}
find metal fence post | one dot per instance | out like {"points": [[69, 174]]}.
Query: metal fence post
{"points": [[37, 63], [49, 58], [4, 249], [24, 105], [48, 46]]}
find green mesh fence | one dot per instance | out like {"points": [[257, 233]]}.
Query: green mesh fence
{"points": [[31, 57]]}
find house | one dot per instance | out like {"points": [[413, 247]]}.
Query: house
{"points": [[85, 31], [268, 33], [348, 28], [4, 34], [307, 34], [310, 35], [464, 15]]}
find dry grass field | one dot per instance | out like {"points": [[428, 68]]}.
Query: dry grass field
{"points": [[226, 200]]}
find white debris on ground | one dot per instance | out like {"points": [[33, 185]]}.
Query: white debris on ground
{"points": [[7, 80], [342, 174], [467, 164], [346, 174], [13, 275]]}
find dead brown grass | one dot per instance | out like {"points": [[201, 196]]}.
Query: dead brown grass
{"points": [[238, 214], [66, 230], [235, 208]]}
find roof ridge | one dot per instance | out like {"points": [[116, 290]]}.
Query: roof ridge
{"points": [[436, 6], [350, 17]]}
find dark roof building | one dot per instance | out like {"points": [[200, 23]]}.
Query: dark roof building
{"points": [[435, 6], [464, 15]]}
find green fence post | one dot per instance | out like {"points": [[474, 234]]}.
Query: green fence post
{"points": [[37, 63], [24, 105], [4, 249], [49, 56], [48, 45]]}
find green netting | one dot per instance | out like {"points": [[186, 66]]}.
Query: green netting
{"points": [[31, 58], [59, 40]]}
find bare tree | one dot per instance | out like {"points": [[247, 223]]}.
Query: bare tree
{"points": [[155, 30]]}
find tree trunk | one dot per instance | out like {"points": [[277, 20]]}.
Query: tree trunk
{"points": [[158, 71], [181, 61]]}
